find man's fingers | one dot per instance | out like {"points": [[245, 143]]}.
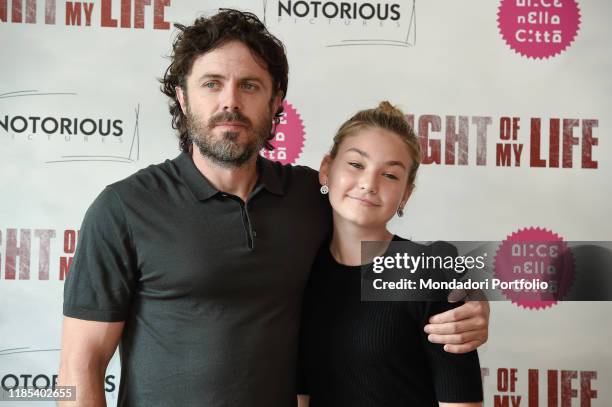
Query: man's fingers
{"points": [[456, 339], [470, 324], [452, 315], [467, 310], [464, 348], [458, 294]]}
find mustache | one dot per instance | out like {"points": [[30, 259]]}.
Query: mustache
{"points": [[234, 116]]}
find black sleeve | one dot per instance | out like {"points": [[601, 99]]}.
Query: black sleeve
{"points": [[456, 377], [102, 277], [302, 367]]}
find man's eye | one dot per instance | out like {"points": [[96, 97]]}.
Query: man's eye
{"points": [[249, 86], [356, 165], [210, 85]]}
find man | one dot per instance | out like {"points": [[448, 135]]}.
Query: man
{"points": [[197, 265]]}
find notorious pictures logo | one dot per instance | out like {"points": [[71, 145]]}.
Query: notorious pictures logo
{"points": [[343, 11], [61, 135], [347, 23]]}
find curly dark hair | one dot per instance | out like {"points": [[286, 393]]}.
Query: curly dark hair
{"points": [[208, 33]]}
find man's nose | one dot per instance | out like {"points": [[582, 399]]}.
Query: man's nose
{"points": [[231, 98]]}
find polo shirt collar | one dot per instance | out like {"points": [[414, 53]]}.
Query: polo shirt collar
{"points": [[268, 176]]}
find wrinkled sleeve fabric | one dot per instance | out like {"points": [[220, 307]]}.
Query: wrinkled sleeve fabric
{"points": [[102, 279]]}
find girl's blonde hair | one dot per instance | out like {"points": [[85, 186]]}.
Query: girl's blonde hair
{"points": [[386, 117]]}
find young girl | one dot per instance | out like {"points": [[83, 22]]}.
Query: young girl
{"points": [[355, 353]]}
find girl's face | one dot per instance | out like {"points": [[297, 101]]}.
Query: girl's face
{"points": [[368, 178]]}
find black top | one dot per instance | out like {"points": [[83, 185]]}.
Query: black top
{"points": [[210, 288], [355, 353]]}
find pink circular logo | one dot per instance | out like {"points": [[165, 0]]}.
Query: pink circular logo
{"points": [[538, 28], [289, 137], [535, 268]]}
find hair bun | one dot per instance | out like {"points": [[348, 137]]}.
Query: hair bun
{"points": [[387, 108]]}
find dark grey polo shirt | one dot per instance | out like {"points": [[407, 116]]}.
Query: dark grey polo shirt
{"points": [[209, 287]]}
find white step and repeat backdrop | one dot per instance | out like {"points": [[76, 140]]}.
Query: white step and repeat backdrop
{"points": [[511, 98]]}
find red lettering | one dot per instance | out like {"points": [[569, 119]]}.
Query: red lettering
{"points": [[502, 379], [586, 393], [588, 141], [30, 11], [139, 12], [106, 10], [518, 150], [481, 122], [569, 141], [126, 13], [69, 241], [503, 154], [552, 388], [484, 372], [533, 391], [430, 149], [65, 263], [87, 8], [504, 128], [515, 128], [50, 12], [567, 392], [158, 15], [553, 147], [535, 160], [456, 140], [45, 236], [14, 251], [16, 11], [3, 10], [73, 13], [501, 401]]}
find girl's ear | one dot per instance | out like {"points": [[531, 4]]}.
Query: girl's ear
{"points": [[324, 169]]}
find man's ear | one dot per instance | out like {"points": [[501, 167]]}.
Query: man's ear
{"points": [[324, 169], [277, 101], [181, 98]]}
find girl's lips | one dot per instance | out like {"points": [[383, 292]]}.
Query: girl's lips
{"points": [[364, 201]]}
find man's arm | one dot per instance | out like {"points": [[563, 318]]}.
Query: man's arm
{"points": [[303, 400], [461, 329], [87, 348]]}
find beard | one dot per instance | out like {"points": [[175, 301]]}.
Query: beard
{"points": [[226, 150]]}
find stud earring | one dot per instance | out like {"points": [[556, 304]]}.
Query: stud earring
{"points": [[400, 211], [324, 189]]}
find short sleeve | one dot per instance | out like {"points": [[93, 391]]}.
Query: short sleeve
{"points": [[100, 284]]}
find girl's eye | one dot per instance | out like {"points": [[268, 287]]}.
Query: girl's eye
{"points": [[356, 165], [390, 176]]}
